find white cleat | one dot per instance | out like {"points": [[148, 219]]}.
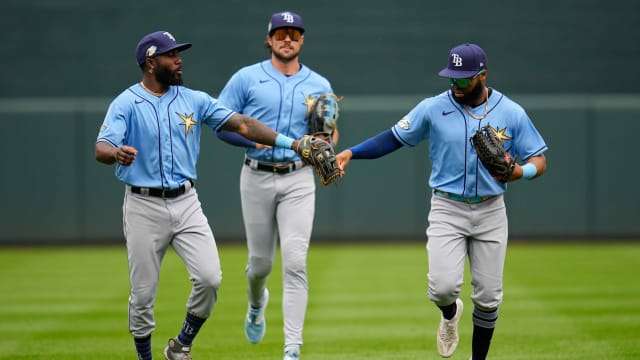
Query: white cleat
{"points": [[448, 332], [292, 354]]}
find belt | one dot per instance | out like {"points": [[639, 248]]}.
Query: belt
{"points": [[278, 168], [468, 200], [163, 193]]}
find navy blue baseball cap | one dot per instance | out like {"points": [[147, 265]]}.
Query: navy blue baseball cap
{"points": [[286, 19], [465, 61], [157, 43]]}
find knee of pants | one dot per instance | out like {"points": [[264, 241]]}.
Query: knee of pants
{"points": [[444, 289], [259, 267], [295, 273], [295, 265], [212, 280]]}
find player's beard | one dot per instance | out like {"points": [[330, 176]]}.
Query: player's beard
{"points": [[473, 97], [167, 76], [285, 58]]}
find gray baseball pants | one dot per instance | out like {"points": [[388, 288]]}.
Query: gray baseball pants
{"points": [[151, 225], [281, 207], [457, 230]]}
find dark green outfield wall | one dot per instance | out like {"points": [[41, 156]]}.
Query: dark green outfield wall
{"points": [[572, 64], [53, 190], [72, 47]]}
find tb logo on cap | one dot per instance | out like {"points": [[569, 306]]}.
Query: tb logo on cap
{"points": [[457, 60], [287, 17], [168, 34]]}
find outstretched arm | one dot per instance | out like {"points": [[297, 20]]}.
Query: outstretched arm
{"points": [[372, 148], [236, 139], [254, 130]]}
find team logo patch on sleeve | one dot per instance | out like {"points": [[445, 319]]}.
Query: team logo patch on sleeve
{"points": [[404, 123]]}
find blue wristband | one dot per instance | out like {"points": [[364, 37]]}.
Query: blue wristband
{"points": [[283, 141], [529, 171]]}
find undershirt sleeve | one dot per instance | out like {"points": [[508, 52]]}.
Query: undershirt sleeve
{"points": [[234, 138], [376, 146]]}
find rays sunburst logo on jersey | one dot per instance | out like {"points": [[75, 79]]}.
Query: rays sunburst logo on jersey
{"points": [[501, 134], [188, 122], [309, 101]]}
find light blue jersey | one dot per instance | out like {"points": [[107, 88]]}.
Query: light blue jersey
{"points": [[165, 130], [279, 101], [448, 127]]}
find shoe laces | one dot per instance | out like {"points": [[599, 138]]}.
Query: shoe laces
{"points": [[254, 315], [447, 330]]}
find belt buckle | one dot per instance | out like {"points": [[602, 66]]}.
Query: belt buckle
{"points": [[288, 167], [163, 193]]}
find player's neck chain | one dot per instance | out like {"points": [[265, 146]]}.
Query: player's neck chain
{"points": [[150, 91], [486, 107]]}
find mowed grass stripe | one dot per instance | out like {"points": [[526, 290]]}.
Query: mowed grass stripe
{"points": [[562, 301], [576, 300]]}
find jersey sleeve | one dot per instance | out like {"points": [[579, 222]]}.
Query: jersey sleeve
{"points": [[413, 128], [215, 114], [114, 125], [528, 141]]}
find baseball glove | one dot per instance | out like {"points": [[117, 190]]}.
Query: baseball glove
{"points": [[319, 154], [324, 116], [492, 154]]}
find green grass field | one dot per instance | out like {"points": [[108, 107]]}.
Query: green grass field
{"points": [[367, 301]]}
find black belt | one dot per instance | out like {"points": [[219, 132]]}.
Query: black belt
{"points": [[278, 168], [468, 200], [162, 193]]}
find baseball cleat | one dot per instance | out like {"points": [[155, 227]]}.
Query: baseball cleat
{"points": [[255, 323], [293, 354], [448, 332], [176, 351]]}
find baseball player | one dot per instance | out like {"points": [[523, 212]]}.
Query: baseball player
{"points": [[468, 215], [277, 190], [152, 132]]}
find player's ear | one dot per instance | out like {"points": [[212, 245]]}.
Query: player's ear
{"points": [[147, 67]]}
